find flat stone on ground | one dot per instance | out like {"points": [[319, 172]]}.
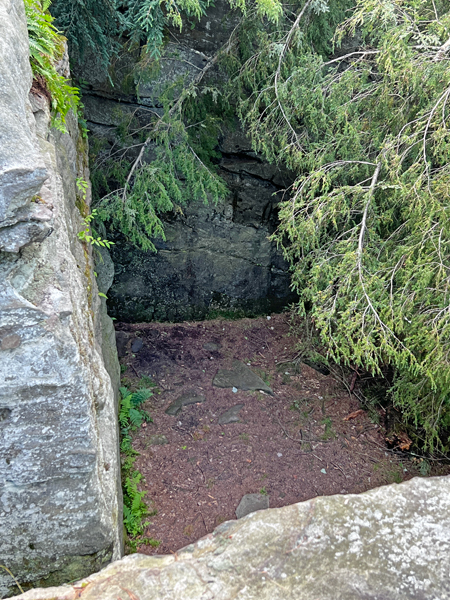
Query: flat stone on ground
{"points": [[190, 397], [157, 440], [251, 503], [211, 346], [231, 415], [240, 377], [137, 345]]}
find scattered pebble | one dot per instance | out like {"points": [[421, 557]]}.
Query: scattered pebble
{"points": [[279, 454]]}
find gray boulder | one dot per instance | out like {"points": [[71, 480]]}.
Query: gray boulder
{"points": [[22, 168], [391, 543], [60, 493]]}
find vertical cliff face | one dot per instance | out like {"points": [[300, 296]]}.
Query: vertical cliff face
{"points": [[60, 510], [214, 258]]}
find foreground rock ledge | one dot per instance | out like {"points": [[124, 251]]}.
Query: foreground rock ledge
{"points": [[389, 543]]}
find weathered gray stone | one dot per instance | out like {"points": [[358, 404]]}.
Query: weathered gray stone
{"points": [[105, 275], [391, 543], [231, 415], [211, 347], [251, 503], [240, 377], [190, 397], [178, 67], [137, 345], [13, 238], [122, 339], [157, 439], [60, 494], [207, 262], [22, 170]]}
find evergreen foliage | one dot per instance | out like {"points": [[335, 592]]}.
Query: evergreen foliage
{"points": [[46, 49], [95, 25], [175, 177], [366, 224], [89, 25]]}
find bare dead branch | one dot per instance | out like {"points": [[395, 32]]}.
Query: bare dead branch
{"points": [[440, 54]]}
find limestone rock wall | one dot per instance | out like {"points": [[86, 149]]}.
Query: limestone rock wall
{"points": [[214, 258], [60, 494], [391, 543]]}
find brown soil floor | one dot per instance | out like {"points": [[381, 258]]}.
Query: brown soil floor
{"points": [[292, 446]]}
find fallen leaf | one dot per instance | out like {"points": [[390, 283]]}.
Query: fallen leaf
{"points": [[405, 441], [399, 440], [353, 415]]}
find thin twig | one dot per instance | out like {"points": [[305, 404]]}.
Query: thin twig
{"points": [[339, 58]]}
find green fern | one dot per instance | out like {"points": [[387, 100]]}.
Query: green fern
{"points": [[140, 396], [134, 509], [131, 416], [46, 48]]}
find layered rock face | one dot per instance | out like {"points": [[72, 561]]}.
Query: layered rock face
{"points": [[391, 543], [214, 258], [60, 509]]}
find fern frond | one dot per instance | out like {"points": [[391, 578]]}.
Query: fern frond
{"points": [[135, 417], [141, 396], [46, 48]]}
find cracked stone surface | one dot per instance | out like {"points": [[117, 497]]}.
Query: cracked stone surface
{"points": [[391, 543], [240, 377]]}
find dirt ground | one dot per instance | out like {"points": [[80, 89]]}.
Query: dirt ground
{"points": [[292, 446]]}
